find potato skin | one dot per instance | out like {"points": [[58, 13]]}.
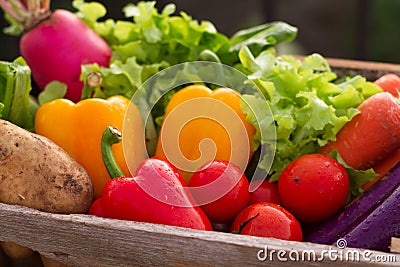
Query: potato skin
{"points": [[15, 251], [37, 173]]}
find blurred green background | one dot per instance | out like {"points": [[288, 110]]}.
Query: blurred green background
{"points": [[352, 29]]}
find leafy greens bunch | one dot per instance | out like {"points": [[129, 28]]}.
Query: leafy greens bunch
{"points": [[309, 106], [148, 41]]}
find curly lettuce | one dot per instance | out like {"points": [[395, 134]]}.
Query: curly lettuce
{"points": [[149, 40], [308, 103]]}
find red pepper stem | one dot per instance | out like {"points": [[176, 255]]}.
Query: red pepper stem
{"points": [[111, 135]]}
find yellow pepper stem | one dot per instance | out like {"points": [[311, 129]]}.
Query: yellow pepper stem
{"points": [[111, 135]]}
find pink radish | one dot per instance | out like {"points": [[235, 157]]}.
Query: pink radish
{"points": [[56, 44]]}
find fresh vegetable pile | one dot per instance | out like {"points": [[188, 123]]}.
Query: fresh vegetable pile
{"points": [[331, 168]]}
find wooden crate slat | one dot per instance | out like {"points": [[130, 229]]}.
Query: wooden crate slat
{"points": [[83, 240], [368, 69], [395, 245]]}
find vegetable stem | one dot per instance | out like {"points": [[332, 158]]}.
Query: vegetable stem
{"points": [[111, 135], [243, 225], [46, 4], [32, 5], [14, 8], [28, 13], [93, 80]]}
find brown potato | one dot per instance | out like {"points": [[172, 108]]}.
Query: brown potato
{"points": [[37, 173], [16, 251], [2, 260], [17, 256], [47, 262]]}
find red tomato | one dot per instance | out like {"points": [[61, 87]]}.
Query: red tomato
{"points": [[221, 189], [267, 220], [266, 192], [389, 82], [313, 187]]}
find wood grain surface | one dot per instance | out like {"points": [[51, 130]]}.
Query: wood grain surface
{"points": [[395, 245], [368, 69]]}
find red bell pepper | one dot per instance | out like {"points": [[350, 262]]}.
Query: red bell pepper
{"points": [[155, 194]]}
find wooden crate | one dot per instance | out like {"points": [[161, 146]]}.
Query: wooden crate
{"points": [[368, 69], [83, 240]]}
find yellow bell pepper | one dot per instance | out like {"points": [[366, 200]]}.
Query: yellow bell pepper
{"points": [[201, 125], [78, 129]]}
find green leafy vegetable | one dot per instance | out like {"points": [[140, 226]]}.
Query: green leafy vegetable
{"points": [[148, 41], [260, 37], [16, 103], [357, 178], [14, 29], [152, 36], [308, 106], [52, 91]]}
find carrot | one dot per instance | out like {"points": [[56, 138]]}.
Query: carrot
{"points": [[389, 83], [383, 167], [371, 135]]}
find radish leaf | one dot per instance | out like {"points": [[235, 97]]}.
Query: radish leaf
{"points": [[52, 91]]}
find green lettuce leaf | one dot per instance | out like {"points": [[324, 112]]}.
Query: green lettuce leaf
{"points": [[17, 105], [152, 36], [149, 40], [52, 91], [263, 36], [308, 104], [356, 177]]}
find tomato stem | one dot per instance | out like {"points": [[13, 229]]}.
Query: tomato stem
{"points": [[243, 225], [111, 135]]}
